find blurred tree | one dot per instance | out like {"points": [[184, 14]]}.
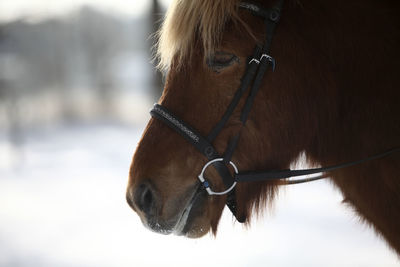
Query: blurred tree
{"points": [[73, 62], [9, 100], [9, 92], [99, 45]]}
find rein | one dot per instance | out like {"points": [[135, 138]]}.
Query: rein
{"points": [[252, 78]]}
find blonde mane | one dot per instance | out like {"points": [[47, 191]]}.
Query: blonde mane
{"points": [[189, 19]]}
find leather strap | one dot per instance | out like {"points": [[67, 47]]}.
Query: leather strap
{"points": [[245, 83], [283, 174]]}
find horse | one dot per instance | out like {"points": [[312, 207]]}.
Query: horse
{"points": [[333, 97]]}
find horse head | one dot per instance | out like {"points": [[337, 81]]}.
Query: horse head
{"points": [[321, 100]]}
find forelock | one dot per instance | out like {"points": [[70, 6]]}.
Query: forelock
{"points": [[187, 19]]}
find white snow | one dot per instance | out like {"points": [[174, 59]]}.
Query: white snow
{"points": [[62, 203]]}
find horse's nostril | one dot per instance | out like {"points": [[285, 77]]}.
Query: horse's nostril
{"points": [[147, 200], [144, 198]]}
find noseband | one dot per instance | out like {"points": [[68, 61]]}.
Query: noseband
{"points": [[255, 71]]}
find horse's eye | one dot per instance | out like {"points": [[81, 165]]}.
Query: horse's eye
{"points": [[221, 60]]}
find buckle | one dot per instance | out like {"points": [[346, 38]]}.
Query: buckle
{"points": [[254, 60], [268, 57]]}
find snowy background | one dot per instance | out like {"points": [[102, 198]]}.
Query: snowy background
{"points": [[65, 156]]}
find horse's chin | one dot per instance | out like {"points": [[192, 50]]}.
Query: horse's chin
{"points": [[193, 222], [190, 221]]}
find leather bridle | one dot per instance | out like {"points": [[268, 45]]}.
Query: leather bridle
{"points": [[252, 78]]}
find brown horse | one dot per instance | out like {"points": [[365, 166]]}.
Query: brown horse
{"points": [[334, 96]]}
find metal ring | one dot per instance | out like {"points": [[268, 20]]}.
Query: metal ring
{"points": [[205, 183]]}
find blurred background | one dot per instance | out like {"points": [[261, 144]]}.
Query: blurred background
{"points": [[76, 85]]}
